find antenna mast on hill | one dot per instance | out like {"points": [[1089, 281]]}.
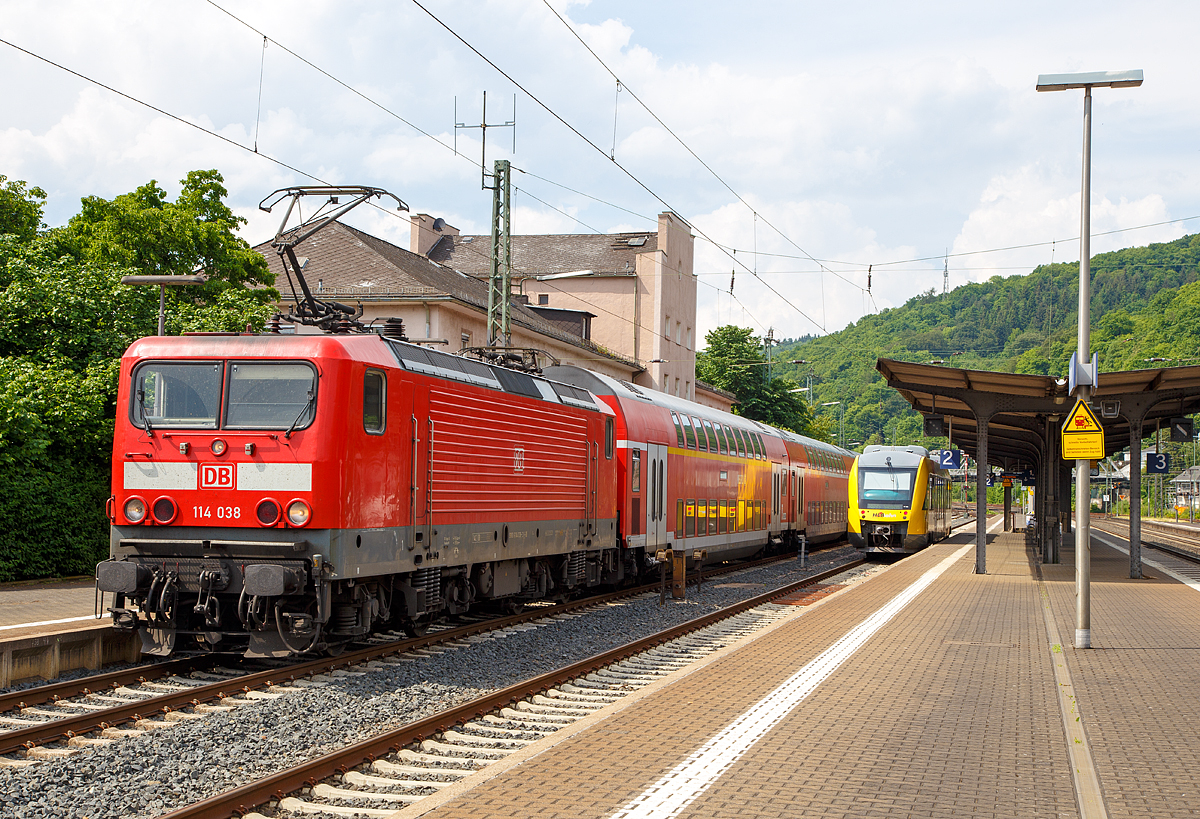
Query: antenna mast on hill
{"points": [[946, 272]]}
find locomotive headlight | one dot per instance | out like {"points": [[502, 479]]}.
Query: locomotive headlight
{"points": [[218, 446], [164, 510], [267, 512], [135, 510], [298, 513]]}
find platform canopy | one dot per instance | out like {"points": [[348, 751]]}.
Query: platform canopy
{"points": [[1023, 409]]}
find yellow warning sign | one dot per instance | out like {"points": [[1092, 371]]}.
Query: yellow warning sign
{"points": [[1082, 435]]}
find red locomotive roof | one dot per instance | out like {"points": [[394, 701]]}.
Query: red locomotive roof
{"points": [[359, 347]]}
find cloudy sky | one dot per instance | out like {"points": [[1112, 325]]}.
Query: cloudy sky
{"points": [[803, 142]]}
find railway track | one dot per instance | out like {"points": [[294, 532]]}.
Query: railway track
{"points": [[383, 773], [1180, 543], [60, 719]]}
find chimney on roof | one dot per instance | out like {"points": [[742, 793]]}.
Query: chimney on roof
{"points": [[426, 232]]}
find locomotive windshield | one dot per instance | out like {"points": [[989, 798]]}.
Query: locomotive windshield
{"points": [[885, 488], [260, 395], [177, 394], [270, 395]]}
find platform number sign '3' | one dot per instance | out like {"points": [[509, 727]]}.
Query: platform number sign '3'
{"points": [[1158, 463]]}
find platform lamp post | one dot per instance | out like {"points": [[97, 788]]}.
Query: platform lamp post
{"points": [[163, 282], [841, 419], [1083, 554]]}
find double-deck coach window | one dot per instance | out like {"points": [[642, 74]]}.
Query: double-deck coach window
{"points": [[374, 395]]}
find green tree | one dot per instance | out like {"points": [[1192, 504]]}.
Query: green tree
{"points": [[20, 209], [65, 320], [145, 231], [733, 361]]}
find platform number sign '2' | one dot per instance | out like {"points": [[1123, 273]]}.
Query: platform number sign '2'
{"points": [[949, 458], [1158, 463]]}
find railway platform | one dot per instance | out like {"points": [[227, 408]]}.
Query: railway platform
{"points": [[49, 628], [926, 691]]}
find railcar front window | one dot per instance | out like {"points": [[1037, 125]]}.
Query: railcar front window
{"points": [[186, 395], [885, 488], [274, 395]]}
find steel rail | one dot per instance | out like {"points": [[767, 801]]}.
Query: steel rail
{"points": [[94, 683], [1185, 547], [245, 798], [70, 726]]}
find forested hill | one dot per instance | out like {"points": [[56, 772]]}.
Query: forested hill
{"points": [[1145, 305]]}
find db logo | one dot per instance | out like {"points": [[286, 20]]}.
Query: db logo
{"points": [[216, 476]]}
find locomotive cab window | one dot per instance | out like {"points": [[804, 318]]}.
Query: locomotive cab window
{"points": [[885, 488], [174, 394], [374, 402], [271, 395]]}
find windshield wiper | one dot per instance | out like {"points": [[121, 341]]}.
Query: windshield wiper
{"points": [[312, 397], [145, 415]]}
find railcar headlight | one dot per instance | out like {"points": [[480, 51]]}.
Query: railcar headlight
{"points": [[268, 512], [135, 510], [164, 510], [218, 446], [298, 513]]}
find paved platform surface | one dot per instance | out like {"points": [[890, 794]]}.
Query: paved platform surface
{"points": [[965, 703], [33, 608]]}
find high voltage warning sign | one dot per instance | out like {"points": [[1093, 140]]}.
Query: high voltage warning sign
{"points": [[1082, 435]]}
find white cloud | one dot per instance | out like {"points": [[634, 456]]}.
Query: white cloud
{"points": [[867, 134]]}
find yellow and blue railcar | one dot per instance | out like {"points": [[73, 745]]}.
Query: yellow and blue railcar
{"points": [[899, 500]]}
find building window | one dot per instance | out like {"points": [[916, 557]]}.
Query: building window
{"points": [[465, 338], [667, 327], [543, 298], [676, 387], [689, 338], [687, 389], [678, 332]]}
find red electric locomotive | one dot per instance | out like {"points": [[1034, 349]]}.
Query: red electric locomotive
{"points": [[284, 493]]}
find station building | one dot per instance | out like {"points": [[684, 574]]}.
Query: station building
{"points": [[620, 304]]}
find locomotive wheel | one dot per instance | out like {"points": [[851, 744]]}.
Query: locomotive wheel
{"points": [[416, 627]]}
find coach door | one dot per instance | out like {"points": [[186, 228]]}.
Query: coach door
{"points": [[420, 499], [656, 496], [777, 496]]}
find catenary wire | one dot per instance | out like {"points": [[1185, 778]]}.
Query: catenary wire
{"points": [[632, 176], [625, 86]]}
